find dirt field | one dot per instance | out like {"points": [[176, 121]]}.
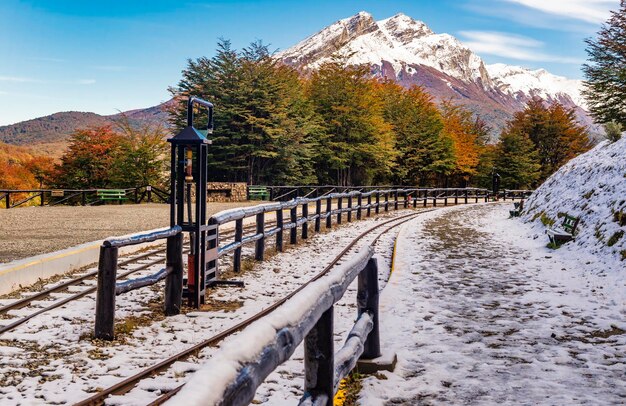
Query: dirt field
{"points": [[29, 231]]}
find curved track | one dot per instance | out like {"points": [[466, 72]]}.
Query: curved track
{"points": [[130, 382], [26, 301]]}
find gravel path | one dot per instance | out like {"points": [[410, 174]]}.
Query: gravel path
{"points": [[29, 231], [480, 313]]}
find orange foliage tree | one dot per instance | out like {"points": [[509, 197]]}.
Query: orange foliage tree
{"points": [[468, 136]]}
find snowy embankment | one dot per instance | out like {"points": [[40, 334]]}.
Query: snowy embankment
{"points": [[592, 187]]}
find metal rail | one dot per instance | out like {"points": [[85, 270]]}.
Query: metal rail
{"points": [[58, 288]]}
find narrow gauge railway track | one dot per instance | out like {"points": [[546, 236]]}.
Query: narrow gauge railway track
{"points": [[129, 383], [26, 301]]}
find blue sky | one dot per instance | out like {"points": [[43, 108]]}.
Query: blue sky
{"points": [[105, 56]]}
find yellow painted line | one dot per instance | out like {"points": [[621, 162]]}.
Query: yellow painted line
{"points": [[47, 259], [393, 255], [340, 396]]}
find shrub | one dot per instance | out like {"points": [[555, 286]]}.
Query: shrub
{"points": [[613, 131], [615, 238]]}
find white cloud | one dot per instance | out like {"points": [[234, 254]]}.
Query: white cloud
{"points": [[18, 79], [591, 11], [510, 46], [45, 59]]}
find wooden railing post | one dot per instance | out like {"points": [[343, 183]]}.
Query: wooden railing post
{"points": [[406, 199], [359, 203], [435, 197], [339, 207], [417, 193], [369, 205], [367, 301], [349, 208], [259, 249], [445, 198], [425, 197], [396, 196], [456, 196], [279, 234], [318, 214], [42, 198], [238, 238], [386, 201], [105, 299], [377, 202], [465, 196], [476, 195], [319, 358], [305, 225], [329, 209], [293, 231], [174, 279], [83, 198], [7, 201]]}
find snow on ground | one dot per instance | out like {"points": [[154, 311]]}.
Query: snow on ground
{"points": [[479, 311], [592, 187], [52, 359]]}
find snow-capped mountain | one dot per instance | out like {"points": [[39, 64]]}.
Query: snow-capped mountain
{"points": [[409, 52], [523, 82]]}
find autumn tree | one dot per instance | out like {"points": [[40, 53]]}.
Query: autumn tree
{"points": [[104, 157], [556, 135], [605, 74], [423, 151], [141, 157], [356, 147], [89, 158], [467, 135]]}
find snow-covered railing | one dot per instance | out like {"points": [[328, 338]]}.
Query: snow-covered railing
{"points": [[357, 203], [516, 194], [233, 374], [109, 288]]}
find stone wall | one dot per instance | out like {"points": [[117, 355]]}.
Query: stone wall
{"points": [[227, 192]]}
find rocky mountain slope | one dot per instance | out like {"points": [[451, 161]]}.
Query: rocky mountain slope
{"points": [[49, 134], [408, 51]]}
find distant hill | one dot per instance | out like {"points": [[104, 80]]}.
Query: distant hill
{"points": [[49, 134]]}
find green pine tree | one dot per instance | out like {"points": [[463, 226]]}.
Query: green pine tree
{"points": [[517, 161], [605, 84]]}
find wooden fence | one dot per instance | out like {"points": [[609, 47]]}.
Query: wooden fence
{"points": [[109, 288], [304, 213], [79, 197], [308, 317]]}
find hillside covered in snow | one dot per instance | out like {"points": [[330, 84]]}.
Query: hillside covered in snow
{"points": [[592, 187]]}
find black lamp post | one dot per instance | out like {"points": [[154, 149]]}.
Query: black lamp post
{"points": [[189, 172]]}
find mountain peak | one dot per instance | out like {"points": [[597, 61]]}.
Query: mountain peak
{"points": [[408, 51], [404, 28]]}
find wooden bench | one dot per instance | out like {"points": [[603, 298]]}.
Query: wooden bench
{"points": [[118, 195], [517, 209], [565, 233], [258, 193]]}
